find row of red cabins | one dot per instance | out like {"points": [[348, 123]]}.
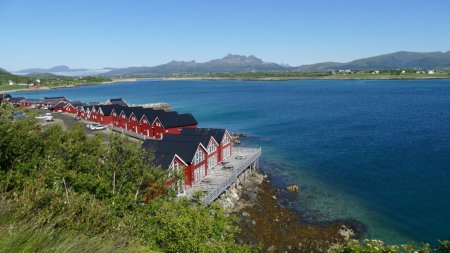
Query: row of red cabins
{"points": [[173, 140]]}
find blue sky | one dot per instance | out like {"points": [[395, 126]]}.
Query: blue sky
{"points": [[96, 33]]}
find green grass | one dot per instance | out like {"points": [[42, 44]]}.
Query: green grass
{"points": [[22, 236], [6, 87]]}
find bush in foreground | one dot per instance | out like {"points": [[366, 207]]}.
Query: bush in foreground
{"points": [[62, 187]]}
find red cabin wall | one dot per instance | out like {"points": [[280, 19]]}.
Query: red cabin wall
{"points": [[194, 167], [106, 120]]}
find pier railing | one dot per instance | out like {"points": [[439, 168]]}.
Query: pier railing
{"points": [[214, 194]]}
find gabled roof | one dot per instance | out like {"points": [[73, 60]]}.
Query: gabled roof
{"points": [[203, 139], [128, 110], [31, 101], [185, 150], [16, 99], [151, 114], [116, 101], [107, 109], [75, 103], [161, 160], [138, 112], [173, 119], [217, 133], [5, 96], [54, 98], [51, 102], [61, 104]]}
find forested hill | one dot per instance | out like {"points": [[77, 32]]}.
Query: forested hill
{"points": [[398, 60]]}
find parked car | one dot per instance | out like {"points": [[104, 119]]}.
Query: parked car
{"points": [[47, 117], [94, 127]]}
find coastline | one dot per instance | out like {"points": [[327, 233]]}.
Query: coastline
{"points": [[266, 224], [268, 79], [113, 81], [293, 78]]}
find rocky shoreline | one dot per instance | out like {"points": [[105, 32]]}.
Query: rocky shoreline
{"points": [[272, 228]]}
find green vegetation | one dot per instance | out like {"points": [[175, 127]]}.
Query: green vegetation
{"points": [[46, 80], [63, 191], [376, 246], [289, 75], [297, 75]]}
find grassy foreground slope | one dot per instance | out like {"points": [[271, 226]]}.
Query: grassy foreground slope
{"points": [[64, 192]]}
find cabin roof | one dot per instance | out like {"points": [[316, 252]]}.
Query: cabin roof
{"points": [[185, 150], [31, 101], [162, 160], [51, 101], [16, 99], [117, 101], [203, 139], [5, 96], [75, 103], [54, 98], [217, 133], [173, 119], [107, 109], [128, 110], [61, 104]]}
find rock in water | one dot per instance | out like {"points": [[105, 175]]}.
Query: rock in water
{"points": [[293, 188]]}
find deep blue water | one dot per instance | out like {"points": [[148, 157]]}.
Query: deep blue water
{"points": [[374, 151]]}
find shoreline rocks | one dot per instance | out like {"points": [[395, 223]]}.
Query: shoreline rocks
{"points": [[293, 188], [277, 229]]}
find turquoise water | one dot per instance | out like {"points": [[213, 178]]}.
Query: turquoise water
{"points": [[374, 151]]}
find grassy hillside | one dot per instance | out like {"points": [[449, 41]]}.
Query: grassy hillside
{"points": [[397, 60], [63, 191], [46, 80]]}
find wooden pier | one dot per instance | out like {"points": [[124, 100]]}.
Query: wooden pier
{"points": [[223, 176]]}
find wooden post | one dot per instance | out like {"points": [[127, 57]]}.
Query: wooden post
{"points": [[67, 192], [114, 182]]}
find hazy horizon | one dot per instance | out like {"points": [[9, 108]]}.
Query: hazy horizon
{"points": [[106, 67], [94, 35]]}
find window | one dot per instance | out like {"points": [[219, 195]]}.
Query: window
{"points": [[174, 168], [199, 157], [179, 187], [212, 147], [212, 161], [226, 139], [196, 175], [199, 173], [226, 152]]}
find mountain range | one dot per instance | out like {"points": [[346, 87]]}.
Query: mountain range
{"points": [[56, 69], [397, 60], [230, 63], [240, 63]]}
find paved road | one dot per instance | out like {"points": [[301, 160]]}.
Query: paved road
{"points": [[68, 121]]}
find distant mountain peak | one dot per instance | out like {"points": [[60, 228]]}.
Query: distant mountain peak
{"points": [[242, 58], [55, 69], [59, 68]]}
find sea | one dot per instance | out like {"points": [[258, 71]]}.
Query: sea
{"points": [[372, 151]]}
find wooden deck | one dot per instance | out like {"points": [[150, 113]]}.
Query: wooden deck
{"points": [[222, 176]]}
